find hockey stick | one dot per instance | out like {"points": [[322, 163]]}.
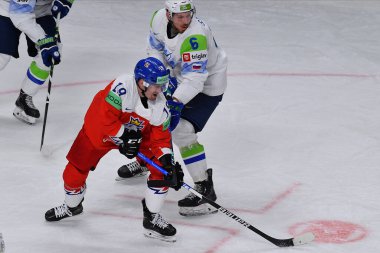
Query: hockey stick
{"points": [[298, 240], [49, 88], [46, 106]]}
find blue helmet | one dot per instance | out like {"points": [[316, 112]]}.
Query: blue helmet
{"points": [[153, 72]]}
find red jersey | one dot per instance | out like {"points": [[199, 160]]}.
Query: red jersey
{"points": [[119, 106]]}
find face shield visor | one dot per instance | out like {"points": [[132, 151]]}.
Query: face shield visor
{"points": [[161, 81]]}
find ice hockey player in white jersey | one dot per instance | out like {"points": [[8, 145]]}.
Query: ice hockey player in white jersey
{"points": [[186, 44], [36, 19]]}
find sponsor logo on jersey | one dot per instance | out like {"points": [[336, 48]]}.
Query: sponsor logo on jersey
{"points": [[194, 56], [186, 57], [114, 100]]}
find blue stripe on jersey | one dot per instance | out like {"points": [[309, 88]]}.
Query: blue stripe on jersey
{"points": [[195, 159], [155, 43]]}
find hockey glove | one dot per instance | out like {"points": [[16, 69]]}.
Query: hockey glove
{"points": [[175, 111], [131, 143], [171, 87], [61, 6], [49, 51], [175, 173]]}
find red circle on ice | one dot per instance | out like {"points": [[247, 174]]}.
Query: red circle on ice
{"points": [[334, 231]]}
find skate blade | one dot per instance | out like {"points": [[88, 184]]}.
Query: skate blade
{"points": [[66, 219], [203, 209], [20, 115], [118, 178], [154, 235]]}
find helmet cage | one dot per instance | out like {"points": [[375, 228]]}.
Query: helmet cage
{"points": [[163, 86]]}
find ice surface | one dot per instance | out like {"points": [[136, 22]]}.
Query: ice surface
{"points": [[295, 141]]}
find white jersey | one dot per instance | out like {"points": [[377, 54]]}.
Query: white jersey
{"points": [[124, 93], [198, 63], [23, 14]]}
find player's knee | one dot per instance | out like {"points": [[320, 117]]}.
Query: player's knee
{"points": [[184, 134], [73, 177], [4, 60]]}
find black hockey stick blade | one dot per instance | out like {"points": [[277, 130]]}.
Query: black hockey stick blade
{"points": [[296, 241]]}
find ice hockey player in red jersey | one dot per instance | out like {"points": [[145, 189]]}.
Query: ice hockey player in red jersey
{"points": [[131, 115]]}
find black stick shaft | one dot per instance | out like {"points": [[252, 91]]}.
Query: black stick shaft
{"points": [[46, 107]]}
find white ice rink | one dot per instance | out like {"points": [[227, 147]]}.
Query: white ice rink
{"points": [[295, 143]]}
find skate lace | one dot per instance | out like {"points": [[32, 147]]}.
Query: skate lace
{"points": [[198, 188], [159, 221], [62, 210], [29, 102], [134, 166]]}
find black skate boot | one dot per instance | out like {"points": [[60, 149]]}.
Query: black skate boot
{"points": [[133, 169], [25, 109], [156, 227], [62, 212], [191, 205]]}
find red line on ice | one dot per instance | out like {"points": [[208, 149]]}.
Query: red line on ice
{"points": [[273, 202], [62, 85], [233, 74]]}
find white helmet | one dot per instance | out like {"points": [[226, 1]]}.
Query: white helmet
{"points": [[179, 6]]}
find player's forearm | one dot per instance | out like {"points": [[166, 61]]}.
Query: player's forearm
{"points": [[26, 23]]}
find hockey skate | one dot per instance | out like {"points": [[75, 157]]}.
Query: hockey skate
{"points": [[156, 227], [25, 109], [131, 170], [191, 205], [62, 212]]}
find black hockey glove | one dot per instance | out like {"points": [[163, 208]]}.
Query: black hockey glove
{"points": [[131, 143], [175, 173]]}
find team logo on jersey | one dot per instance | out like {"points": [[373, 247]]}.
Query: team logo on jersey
{"points": [[194, 56], [135, 124]]}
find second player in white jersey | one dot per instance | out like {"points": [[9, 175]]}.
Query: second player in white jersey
{"points": [[193, 55], [199, 66]]}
